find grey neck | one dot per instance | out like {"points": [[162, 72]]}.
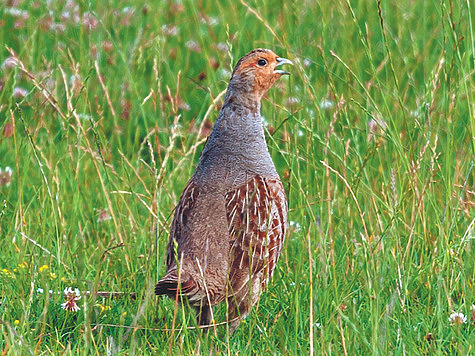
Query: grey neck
{"points": [[236, 150]]}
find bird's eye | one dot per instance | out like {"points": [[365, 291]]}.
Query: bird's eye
{"points": [[262, 62]]}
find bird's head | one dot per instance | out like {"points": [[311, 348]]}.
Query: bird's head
{"points": [[256, 72]]}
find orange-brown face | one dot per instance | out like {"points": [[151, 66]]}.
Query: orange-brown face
{"points": [[258, 70]]}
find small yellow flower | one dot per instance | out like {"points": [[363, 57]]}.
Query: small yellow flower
{"points": [[43, 268], [14, 270], [52, 275], [16, 322], [101, 307], [23, 265], [124, 314], [63, 279], [5, 271]]}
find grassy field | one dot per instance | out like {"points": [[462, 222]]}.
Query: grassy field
{"points": [[105, 108]]}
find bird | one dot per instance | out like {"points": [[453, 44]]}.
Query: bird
{"points": [[230, 222]]}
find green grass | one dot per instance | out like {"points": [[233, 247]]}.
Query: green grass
{"points": [[372, 135]]}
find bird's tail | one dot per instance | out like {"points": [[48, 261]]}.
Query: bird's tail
{"points": [[169, 285]]}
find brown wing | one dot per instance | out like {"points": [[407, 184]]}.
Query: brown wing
{"points": [[198, 242], [169, 285], [257, 218], [185, 205]]}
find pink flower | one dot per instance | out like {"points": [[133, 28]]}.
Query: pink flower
{"points": [[19, 93], [71, 297], [6, 176], [89, 21], [9, 63]]}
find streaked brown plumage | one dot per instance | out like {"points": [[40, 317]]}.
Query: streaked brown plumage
{"points": [[229, 225]]}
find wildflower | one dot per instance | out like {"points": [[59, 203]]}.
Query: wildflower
{"points": [[65, 15], [57, 27], [295, 225], [75, 81], [82, 116], [317, 325], [103, 216], [71, 297], [213, 21], [9, 63], [23, 265], [8, 273], [307, 62], [376, 126], [15, 12], [89, 21], [127, 13], [103, 308], [19, 92], [43, 268], [6, 176], [169, 30], [292, 101], [193, 46], [223, 73], [222, 47], [457, 318], [52, 275], [128, 10], [326, 104], [415, 113], [39, 290], [16, 322], [107, 46], [264, 121]]}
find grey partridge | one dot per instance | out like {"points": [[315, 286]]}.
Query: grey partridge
{"points": [[229, 225]]}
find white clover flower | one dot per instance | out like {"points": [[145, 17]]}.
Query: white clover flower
{"points": [[71, 297], [6, 176], [223, 74], [129, 10], [39, 290], [19, 93], [222, 47], [170, 30], [295, 225], [213, 21], [15, 12], [9, 63], [326, 104], [193, 46], [457, 318]]}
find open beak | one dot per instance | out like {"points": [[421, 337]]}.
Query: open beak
{"points": [[281, 61]]}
